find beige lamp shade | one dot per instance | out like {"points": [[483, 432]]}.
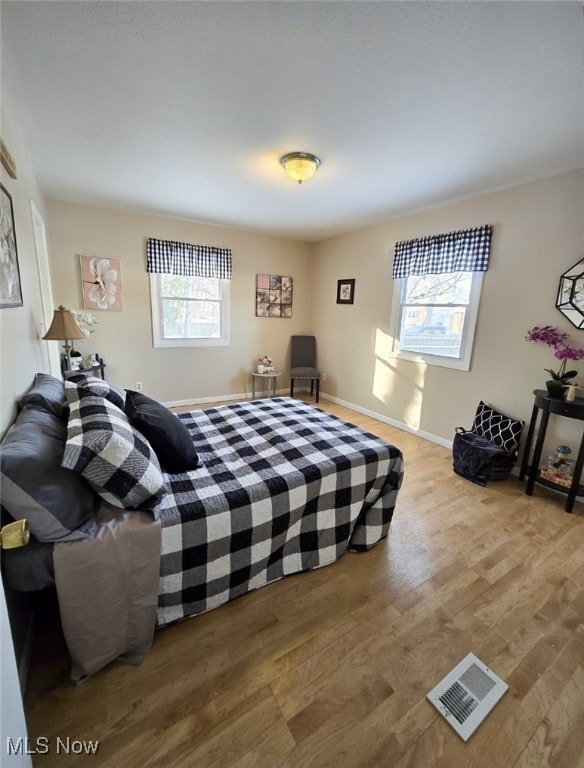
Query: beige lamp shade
{"points": [[63, 326]]}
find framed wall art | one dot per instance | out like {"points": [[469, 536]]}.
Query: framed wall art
{"points": [[10, 285], [345, 291], [101, 283], [274, 296], [570, 299]]}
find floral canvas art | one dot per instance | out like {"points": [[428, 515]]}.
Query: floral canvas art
{"points": [[101, 281]]}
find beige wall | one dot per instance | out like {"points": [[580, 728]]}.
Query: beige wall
{"points": [[23, 353], [124, 338], [538, 233]]}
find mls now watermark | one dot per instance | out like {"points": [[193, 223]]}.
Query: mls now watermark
{"points": [[43, 745]]}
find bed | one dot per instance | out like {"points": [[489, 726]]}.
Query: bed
{"points": [[217, 502]]}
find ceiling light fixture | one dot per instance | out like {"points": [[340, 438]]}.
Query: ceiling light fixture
{"points": [[300, 165]]}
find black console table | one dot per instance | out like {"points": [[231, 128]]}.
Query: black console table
{"points": [[548, 405], [99, 368]]}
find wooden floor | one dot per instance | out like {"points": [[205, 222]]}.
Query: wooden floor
{"points": [[332, 667]]}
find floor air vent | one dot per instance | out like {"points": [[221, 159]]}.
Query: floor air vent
{"points": [[467, 695]]}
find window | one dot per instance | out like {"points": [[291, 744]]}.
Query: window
{"points": [[189, 292], [436, 296], [189, 311], [436, 317]]}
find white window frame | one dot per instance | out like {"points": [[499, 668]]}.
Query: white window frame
{"points": [[461, 363], [158, 339]]}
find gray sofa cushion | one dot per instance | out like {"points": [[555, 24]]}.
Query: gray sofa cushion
{"points": [[56, 501], [47, 393], [30, 568]]}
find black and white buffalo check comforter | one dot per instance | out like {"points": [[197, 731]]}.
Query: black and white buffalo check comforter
{"points": [[282, 487]]}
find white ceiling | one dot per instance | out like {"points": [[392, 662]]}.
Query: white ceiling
{"points": [[184, 108]]}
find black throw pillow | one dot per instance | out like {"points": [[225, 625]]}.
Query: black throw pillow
{"points": [[168, 436]]}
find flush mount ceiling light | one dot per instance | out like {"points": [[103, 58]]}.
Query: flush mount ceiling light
{"points": [[300, 165]]}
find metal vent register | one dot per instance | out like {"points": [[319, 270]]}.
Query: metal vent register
{"points": [[467, 695]]}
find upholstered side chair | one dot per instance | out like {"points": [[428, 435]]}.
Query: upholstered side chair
{"points": [[303, 363]]}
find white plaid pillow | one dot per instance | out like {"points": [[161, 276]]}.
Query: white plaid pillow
{"points": [[113, 457], [95, 386]]}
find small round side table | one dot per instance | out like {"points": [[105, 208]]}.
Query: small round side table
{"points": [[271, 379]]}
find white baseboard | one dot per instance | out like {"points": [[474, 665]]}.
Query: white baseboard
{"points": [[222, 398], [285, 392], [392, 422]]}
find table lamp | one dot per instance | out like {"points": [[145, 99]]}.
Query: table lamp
{"points": [[64, 327]]}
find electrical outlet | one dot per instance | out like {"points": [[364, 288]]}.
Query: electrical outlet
{"points": [[139, 386], [323, 376]]}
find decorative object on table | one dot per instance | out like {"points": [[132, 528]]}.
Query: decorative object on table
{"points": [[274, 296], [345, 291], [101, 282], [560, 457], [64, 328], [571, 391], [560, 468], [94, 365], [75, 360], [85, 320], [265, 364], [570, 299], [10, 286], [558, 341]]}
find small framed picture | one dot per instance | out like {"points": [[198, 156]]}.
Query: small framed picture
{"points": [[345, 291]]}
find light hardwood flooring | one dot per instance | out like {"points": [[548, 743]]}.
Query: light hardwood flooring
{"points": [[331, 667]]}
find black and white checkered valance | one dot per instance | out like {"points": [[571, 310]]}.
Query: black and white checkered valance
{"points": [[464, 251], [171, 258]]}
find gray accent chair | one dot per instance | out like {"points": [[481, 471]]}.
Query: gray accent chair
{"points": [[303, 363]]}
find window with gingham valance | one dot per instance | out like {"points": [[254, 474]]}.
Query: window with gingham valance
{"points": [[464, 251], [171, 258]]}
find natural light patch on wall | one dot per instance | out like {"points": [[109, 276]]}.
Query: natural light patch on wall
{"points": [[382, 344], [383, 380], [384, 371], [413, 410], [386, 377]]}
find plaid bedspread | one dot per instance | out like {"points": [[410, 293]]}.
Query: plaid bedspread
{"points": [[282, 487]]}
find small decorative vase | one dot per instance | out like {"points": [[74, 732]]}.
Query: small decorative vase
{"points": [[261, 368], [555, 389]]}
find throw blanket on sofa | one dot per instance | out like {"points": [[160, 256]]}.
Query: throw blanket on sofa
{"points": [[282, 487], [107, 586]]}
